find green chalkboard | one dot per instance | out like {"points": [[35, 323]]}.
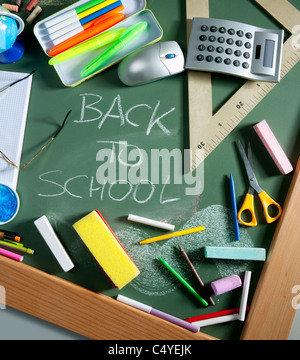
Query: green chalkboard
{"points": [[109, 118]]}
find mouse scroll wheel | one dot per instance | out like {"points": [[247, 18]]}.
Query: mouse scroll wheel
{"points": [[170, 56]]}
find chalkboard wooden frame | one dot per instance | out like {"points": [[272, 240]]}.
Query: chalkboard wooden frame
{"points": [[100, 317]]}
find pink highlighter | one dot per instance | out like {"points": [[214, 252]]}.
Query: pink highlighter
{"points": [[11, 255]]}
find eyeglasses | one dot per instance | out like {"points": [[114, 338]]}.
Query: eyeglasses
{"points": [[43, 148], [15, 82]]}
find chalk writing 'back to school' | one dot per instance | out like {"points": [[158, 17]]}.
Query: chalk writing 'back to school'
{"points": [[90, 112]]}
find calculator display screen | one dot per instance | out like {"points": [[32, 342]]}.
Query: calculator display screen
{"points": [[269, 53]]}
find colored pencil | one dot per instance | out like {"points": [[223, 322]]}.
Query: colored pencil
{"points": [[16, 246], [234, 208], [191, 266], [183, 282], [174, 234]]}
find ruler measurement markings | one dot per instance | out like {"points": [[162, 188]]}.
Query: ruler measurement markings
{"points": [[230, 126], [222, 135], [249, 106], [293, 60]]}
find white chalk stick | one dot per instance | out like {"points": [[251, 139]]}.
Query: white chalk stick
{"points": [[44, 227], [268, 138], [154, 223], [216, 320], [244, 298]]}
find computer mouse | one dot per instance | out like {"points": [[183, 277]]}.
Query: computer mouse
{"points": [[151, 63]]}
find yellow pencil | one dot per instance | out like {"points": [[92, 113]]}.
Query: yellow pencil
{"points": [[174, 234]]}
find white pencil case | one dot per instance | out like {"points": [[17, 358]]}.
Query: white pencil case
{"points": [[135, 11]]}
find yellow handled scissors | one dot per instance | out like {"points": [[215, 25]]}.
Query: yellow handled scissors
{"points": [[265, 199]]}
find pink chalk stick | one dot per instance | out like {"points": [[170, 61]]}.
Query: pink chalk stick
{"points": [[11, 255], [272, 145], [226, 284]]}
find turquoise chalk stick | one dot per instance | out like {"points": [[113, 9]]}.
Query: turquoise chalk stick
{"points": [[235, 253]]}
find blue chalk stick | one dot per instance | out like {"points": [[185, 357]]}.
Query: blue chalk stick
{"points": [[235, 253]]}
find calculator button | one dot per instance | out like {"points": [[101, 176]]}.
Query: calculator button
{"points": [[203, 37], [218, 59], [213, 29], [220, 49], [204, 28], [239, 43], [246, 55], [228, 51], [221, 39], [212, 38], [222, 30], [247, 45], [200, 57], [201, 47], [245, 65], [237, 53], [230, 41], [231, 31], [227, 61], [236, 63], [240, 33], [210, 48], [209, 58], [248, 35]]}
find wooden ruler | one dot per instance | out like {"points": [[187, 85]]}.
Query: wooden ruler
{"points": [[207, 131]]}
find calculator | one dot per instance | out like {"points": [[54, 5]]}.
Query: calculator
{"points": [[234, 48]]}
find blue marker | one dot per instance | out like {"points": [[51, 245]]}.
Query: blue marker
{"points": [[234, 209]]}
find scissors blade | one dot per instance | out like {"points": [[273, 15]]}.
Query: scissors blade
{"points": [[249, 169]]}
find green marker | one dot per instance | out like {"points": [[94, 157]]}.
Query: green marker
{"points": [[130, 34], [88, 5], [89, 45], [183, 282]]}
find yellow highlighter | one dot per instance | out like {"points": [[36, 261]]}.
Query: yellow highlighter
{"points": [[89, 45]]}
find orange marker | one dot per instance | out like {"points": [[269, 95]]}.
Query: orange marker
{"points": [[103, 17], [91, 31]]}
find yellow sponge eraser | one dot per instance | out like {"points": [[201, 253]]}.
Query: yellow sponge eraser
{"points": [[106, 249]]}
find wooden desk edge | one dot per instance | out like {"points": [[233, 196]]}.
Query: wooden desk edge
{"points": [[271, 312], [80, 310]]}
